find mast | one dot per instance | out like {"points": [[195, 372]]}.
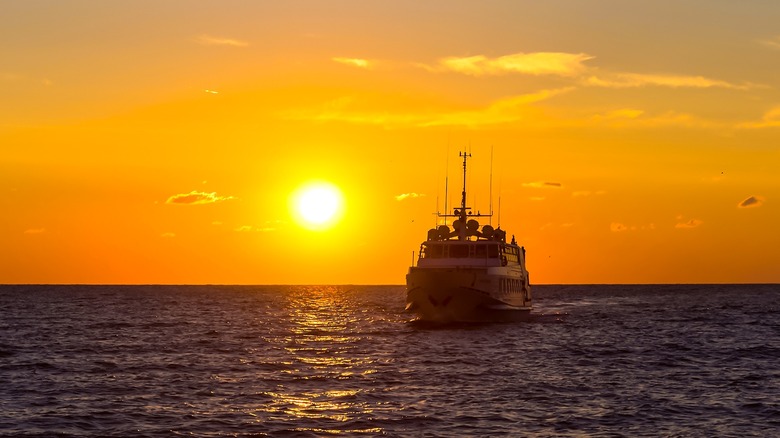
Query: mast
{"points": [[462, 230], [463, 199], [462, 213], [491, 185]]}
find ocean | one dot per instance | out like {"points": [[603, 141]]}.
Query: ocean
{"points": [[310, 361]]}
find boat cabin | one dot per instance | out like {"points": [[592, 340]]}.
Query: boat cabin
{"points": [[468, 253]]}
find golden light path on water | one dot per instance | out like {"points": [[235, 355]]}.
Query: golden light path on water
{"points": [[325, 350]]}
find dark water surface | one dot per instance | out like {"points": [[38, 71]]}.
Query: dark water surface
{"points": [[343, 360]]}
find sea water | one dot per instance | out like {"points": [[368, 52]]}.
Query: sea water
{"points": [[245, 361]]}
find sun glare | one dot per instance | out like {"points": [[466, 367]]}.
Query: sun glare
{"points": [[317, 205]]}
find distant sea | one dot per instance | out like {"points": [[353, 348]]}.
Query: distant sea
{"points": [[309, 361]]}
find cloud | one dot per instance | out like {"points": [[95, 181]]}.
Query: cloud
{"points": [[512, 109], [621, 114], [770, 119], [543, 184], [210, 92], [751, 201], [196, 197], [539, 63], [168, 235], [354, 62], [403, 196], [584, 193], [617, 227], [634, 80], [772, 43], [208, 40], [251, 228], [693, 223], [633, 118], [573, 65], [35, 231], [506, 110]]}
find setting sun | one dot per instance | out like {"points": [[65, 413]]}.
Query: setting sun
{"points": [[317, 205]]}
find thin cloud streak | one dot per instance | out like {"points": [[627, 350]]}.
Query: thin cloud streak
{"points": [[507, 110], [403, 196], [770, 119], [543, 184], [772, 43], [539, 63], [354, 62], [208, 40], [251, 228], [693, 223], [195, 197], [635, 80]]}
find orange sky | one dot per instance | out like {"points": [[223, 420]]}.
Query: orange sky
{"points": [[633, 142]]}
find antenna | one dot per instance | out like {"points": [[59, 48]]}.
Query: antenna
{"points": [[446, 191], [463, 197], [490, 221], [498, 225], [435, 219]]}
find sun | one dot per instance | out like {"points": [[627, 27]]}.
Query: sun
{"points": [[317, 205]]}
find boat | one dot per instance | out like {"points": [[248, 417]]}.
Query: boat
{"points": [[467, 273]]}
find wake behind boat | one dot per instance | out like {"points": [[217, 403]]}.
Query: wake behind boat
{"points": [[465, 273]]}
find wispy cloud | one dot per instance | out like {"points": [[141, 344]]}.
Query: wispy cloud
{"points": [[252, 228], [639, 119], [35, 231], [511, 109], [751, 201], [354, 62], [168, 235], [772, 43], [412, 195], [692, 223], [770, 119], [573, 65], [634, 80], [617, 227], [619, 114], [543, 184], [209, 40], [196, 197], [539, 63], [506, 110]]}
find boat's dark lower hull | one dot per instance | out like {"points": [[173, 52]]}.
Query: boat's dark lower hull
{"points": [[456, 295]]}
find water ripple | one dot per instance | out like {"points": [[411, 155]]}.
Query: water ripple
{"points": [[317, 361]]}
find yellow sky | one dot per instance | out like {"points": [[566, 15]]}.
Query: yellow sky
{"points": [[160, 142]]}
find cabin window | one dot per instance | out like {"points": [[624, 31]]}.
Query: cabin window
{"points": [[459, 251], [511, 254], [433, 251]]}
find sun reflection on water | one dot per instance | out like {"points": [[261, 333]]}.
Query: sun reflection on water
{"points": [[328, 365]]}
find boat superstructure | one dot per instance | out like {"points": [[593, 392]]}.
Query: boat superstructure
{"points": [[467, 272]]}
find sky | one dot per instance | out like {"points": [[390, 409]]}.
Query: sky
{"points": [[156, 142]]}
